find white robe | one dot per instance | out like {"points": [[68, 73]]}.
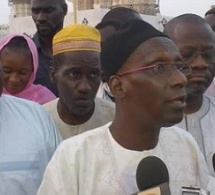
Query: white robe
{"points": [[201, 125], [93, 163]]}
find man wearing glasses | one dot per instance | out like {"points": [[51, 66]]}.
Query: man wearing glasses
{"points": [[145, 73], [196, 42]]}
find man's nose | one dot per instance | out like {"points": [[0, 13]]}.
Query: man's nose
{"points": [[41, 16], [84, 86], [178, 79], [199, 63]]}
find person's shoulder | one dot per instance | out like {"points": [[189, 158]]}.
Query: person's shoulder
{"points": [[175, 131], [177, 136], [18, 101], [35, 38], [51, 105], [209, 103], [24, 106], [84, 139], [105, 110], [104, 103], [209, 98], [30, 116]]}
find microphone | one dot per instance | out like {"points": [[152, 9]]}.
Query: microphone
{"points": [[152, 177]]}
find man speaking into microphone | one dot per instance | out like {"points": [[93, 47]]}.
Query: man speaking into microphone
{"points": [[146, 76]]}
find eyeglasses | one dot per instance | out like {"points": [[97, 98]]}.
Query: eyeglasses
{"points": [[163, 69], [190, 55]]}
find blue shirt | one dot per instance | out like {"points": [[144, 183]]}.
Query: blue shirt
{"points": [[28, 139], [45, 62]]}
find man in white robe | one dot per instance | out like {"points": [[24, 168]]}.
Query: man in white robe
{"points": [[196, 42], [146, 76], [94, 163]]}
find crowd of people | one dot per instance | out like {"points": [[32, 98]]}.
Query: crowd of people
{"points": [[82, 106]]}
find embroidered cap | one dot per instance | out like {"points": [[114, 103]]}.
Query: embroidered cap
{"points": [[77, 37]]}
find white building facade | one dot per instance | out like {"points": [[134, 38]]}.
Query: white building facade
{"points": [[20, 20]]}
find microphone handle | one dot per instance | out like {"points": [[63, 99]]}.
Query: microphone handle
{"points": [[162, 189], [165, 189]]}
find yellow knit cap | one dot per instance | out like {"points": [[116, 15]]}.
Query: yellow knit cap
{"points": [[77, 37]]}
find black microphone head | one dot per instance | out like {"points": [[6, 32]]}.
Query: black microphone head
{"points": [[151, 172]]}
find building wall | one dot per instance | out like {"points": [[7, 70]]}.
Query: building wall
{"points": [[4, 30], [22, 25], [147, 7], [21, 8], [26, 24]]}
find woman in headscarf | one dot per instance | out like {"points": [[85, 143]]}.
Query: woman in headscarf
{"points": [[19, 59]]}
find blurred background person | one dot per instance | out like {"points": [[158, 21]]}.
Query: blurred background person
{"points": [[48, 17], [196, 42], [109, 24], [76, 72], [28, 139], [19, 60]]}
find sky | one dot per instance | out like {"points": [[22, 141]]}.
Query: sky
{"points": [[167, 7]]}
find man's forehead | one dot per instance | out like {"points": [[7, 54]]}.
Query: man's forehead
{"points": [[73, 66], [156, 43], [187, 30], [80, 55], [85, 67], [194, 38], [80, 58]]}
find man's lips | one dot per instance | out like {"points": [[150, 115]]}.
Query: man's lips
{"points": [[42, 26], [83, 101], [179, 101], [198, 78]]}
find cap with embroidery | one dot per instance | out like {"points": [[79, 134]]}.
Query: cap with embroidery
{"points": [[77, 37]]}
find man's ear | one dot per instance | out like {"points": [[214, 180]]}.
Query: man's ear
{"points": [[117, 87], [53, 74]]}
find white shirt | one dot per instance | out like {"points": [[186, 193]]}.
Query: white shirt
{"points": [[94, 163], [103, 113], [201, 125], [211, 89], [28, 139]]}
